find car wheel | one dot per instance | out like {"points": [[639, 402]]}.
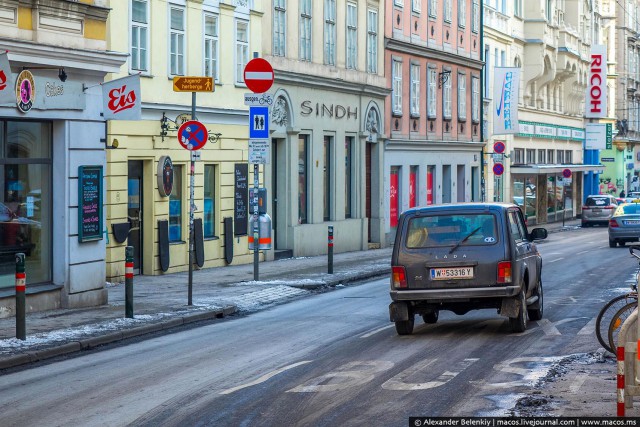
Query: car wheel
{"points": [[431, 317], [519, 323], [621, 242], [404, 327], [537, 308], [585, 225], [612, 243]]}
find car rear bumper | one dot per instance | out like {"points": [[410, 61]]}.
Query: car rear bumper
{"points": [[440, 295], [624, 234]]}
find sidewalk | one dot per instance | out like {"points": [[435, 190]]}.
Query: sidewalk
{"points": [[160, 302]]}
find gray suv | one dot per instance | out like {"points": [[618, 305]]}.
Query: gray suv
{"points": [[463, 257], [598, 209]]}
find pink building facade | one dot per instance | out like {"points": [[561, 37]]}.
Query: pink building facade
{"points": [[432, 117]]}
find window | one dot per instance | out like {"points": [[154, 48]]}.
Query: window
{"points": [[140, 35], [446, 98], [330, 32], [475, 17], [175, 206], [305, 30], [548, 11], [462, 96], [518, 156], [560, 156], [211, 46], [396, 89], [531, 156], [415, 6], [542, 159], [398, 2], [303, 174], [485, 71], [550, 156], [348, 175], [209, 221], [177, 43], [279, 27], [475, 99], [433, 8], [352, 36], [516, 228], [568, 157], [447, 10], [242, 49], [415, 90], [326, 178], [372, 41], [462, 13], [431, 94]]}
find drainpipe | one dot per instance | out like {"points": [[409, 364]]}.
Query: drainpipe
{"points": [[483, 187]]}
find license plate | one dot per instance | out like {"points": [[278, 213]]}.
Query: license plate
{"points": [[632, 222], [597, 210], [452, 273]]}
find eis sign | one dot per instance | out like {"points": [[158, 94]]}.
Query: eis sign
{"points": [[596, 99]]}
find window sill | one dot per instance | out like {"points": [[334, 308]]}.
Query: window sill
{"points": [[396, 114], [31, 289], [177, 242], [206, 239]]}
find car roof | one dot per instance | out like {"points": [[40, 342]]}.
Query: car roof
{"points": [[462, 207]]}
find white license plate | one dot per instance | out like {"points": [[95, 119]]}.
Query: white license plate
{"points": [[632, 222], [452, 273], [596, 210]]}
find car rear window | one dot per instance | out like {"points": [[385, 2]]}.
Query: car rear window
{"points": [[447, 230], [631, 209], [598, 201]]}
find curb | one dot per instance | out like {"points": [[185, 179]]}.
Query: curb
{"points": [[92, 342]]}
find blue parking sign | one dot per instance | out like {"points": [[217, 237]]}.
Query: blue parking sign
{"points": [[258, 122]]}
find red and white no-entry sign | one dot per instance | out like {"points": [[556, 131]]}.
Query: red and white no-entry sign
{"points": [[258, 75]]}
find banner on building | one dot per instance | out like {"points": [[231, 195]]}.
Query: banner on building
{"points": [[505, 95], [596, 96], [393, 199], [430, 186], [413, 185], [7, 89], [121, 99]]}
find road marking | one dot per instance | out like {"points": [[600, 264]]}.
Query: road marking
{"points": [[345, 377], [583, 252], [577, 383], [265, 377], [548, 327], [535, 368], [589, 328], [398, 382], [375, 331], [554, 260]]}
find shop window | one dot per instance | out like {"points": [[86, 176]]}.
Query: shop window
{"points": [[209, 200], [303, 176], [25, 200], [175, 206], [326, 179], [348, 175]]}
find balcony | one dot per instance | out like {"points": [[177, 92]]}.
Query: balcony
{"points": [[496, 20]]}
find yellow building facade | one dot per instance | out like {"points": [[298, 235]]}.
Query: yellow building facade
{"points": [[166, 39]]}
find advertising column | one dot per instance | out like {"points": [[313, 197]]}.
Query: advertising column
{"points": [[595, 108]]}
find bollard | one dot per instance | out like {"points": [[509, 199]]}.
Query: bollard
{"points": [[21, 280], [330, 243], [128, 282]]}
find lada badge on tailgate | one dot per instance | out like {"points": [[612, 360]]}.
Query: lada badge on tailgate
{"points": [[450, 256]]}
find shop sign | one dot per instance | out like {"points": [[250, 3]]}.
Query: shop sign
{"points": [[90, 203], [543, 130], [165, 176], [564, 133], [608, 159], [25, 91], [596, 96], [526, 128], [328, 110], [577, 134], [596, 136], [6, 80]]}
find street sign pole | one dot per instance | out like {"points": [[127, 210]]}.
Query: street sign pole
{"points": [[191, 203], [256, 226]]}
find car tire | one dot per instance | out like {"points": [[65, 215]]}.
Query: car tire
{"points": [[519, 323], [404, 327], [536, 309], [612, 243], [431, 317]]}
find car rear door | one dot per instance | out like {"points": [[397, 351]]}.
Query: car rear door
{"points": [[523, 249]]}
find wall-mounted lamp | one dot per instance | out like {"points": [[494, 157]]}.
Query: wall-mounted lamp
{"points": [[443, 77], [62, 75], [214, 137], [166, 125], [114, 144]]}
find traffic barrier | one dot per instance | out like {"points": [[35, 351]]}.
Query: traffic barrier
{"points": [[628, 364], [128, 282], [21, 299]]}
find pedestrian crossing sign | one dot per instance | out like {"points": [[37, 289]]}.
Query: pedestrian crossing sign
{"points": [[258, 122]]}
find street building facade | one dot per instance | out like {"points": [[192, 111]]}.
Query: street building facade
{"points": [[53, 57], [434, 145], [327, 124], [148, 174]]}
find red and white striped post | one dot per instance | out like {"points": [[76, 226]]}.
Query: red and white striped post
{"points": [[620, 359], [128, 282], [21, 303]]}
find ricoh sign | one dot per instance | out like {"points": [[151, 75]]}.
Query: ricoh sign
{"points": [[596, 100]]}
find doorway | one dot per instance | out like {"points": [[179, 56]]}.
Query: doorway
{"points": [[368, 152], [134, 212]]}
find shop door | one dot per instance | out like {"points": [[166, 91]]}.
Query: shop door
{"points": [[134, 212], [368, 188], [274, 192]]}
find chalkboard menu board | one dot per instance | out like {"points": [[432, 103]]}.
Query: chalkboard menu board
{"points": [[89, 203], [241, 193]]}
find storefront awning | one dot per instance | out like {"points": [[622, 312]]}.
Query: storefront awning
{"points": [[554, 169]]}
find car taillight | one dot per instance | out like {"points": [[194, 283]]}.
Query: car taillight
{"points": [[399, 277], [586, 208], [609, 207], [613, 223], [504, 272]]}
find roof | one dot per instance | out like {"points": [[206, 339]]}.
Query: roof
{"points": [[463, 206]]}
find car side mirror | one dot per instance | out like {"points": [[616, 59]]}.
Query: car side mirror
{"points": [[538, 234]]}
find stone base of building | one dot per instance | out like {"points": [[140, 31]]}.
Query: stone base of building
{"points": [[86, 299], [37, 301]]}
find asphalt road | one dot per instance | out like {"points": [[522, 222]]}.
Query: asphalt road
{"points": [[331, 359]]}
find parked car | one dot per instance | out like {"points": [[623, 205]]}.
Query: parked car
{"points": [[598, 209], [624, 226], [464, 257]]}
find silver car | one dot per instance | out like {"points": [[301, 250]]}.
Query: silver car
{"points": [[598, 209], [624, 226]]}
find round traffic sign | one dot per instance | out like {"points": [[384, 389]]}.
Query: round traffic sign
{"points": [[499, 147], [258, 75], [192, 135], [498, 169], [566, 173]]}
